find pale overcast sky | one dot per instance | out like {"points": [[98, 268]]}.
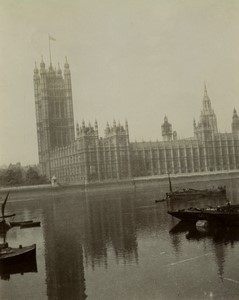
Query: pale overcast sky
{"points": [[134, 59]]}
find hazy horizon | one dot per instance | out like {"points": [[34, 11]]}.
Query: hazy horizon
{"points": [[135, 60]]}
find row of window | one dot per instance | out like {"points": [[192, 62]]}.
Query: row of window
{"points": [[58, 109]]}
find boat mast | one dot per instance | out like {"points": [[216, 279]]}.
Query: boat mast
{"points": [[170, 184], [3, 206]]}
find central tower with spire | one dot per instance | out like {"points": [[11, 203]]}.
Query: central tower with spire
{"points": [[54, 111], [207, 125]]}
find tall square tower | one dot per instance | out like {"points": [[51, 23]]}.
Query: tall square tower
{"points": [[54, 111]]}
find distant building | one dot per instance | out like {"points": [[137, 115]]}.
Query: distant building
{"points": [[90, 158]]}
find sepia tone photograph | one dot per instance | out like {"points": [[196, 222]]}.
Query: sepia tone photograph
{"points": [[119, 149]]}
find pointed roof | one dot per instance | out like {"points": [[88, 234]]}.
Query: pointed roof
{"points": [[205, 96], [42, 64], [66, 65], [206, 99], [35, 69], [235, 115], [59, 69]]}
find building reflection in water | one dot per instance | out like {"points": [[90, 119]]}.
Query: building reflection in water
{"points": [[63, 251], [219, 238], [87, 230], [115, 221], [109, 225], [176, 230]]}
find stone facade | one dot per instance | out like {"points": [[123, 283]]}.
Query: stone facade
{"points": [[90, 158]]}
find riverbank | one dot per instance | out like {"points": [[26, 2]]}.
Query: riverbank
{"points": [[134, 182], [190, 177]]}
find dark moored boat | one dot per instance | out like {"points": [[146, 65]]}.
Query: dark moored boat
{"points": [[30, 224], [10, 255], [19, 223], [228, 214], [191, 194]]}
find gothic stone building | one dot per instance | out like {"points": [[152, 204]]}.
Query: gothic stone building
{"points": [[87, 157]]}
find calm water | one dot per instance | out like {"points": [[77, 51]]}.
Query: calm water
{"points": [[120, 244]]}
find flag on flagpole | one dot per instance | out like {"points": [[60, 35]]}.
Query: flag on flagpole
{"points": [[51, 38]]}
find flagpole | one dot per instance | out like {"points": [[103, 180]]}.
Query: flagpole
{"points": [[49, 48]]}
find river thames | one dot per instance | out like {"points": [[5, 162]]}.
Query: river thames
{"points": [[120, 244]]}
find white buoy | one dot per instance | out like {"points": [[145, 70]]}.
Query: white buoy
{"points": [[202, 225]]}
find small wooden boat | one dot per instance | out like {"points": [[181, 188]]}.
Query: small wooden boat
{"points": [[19, 223], [13, 255], [30, 224], [191, 194]]}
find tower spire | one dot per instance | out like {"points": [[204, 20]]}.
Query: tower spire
{"points": [[205, 91], [206, 99]]}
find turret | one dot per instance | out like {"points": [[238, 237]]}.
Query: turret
{"points": [[77, 130], [166, 128], [69, 101], [36, 79], [36, 72], [96, 127], [66, 68], [235, 122], [126, 127], [107, 130], [194, 124], [59, 72], [42, 66]]}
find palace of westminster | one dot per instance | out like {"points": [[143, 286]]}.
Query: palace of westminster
{"points": [[82, 156]]}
